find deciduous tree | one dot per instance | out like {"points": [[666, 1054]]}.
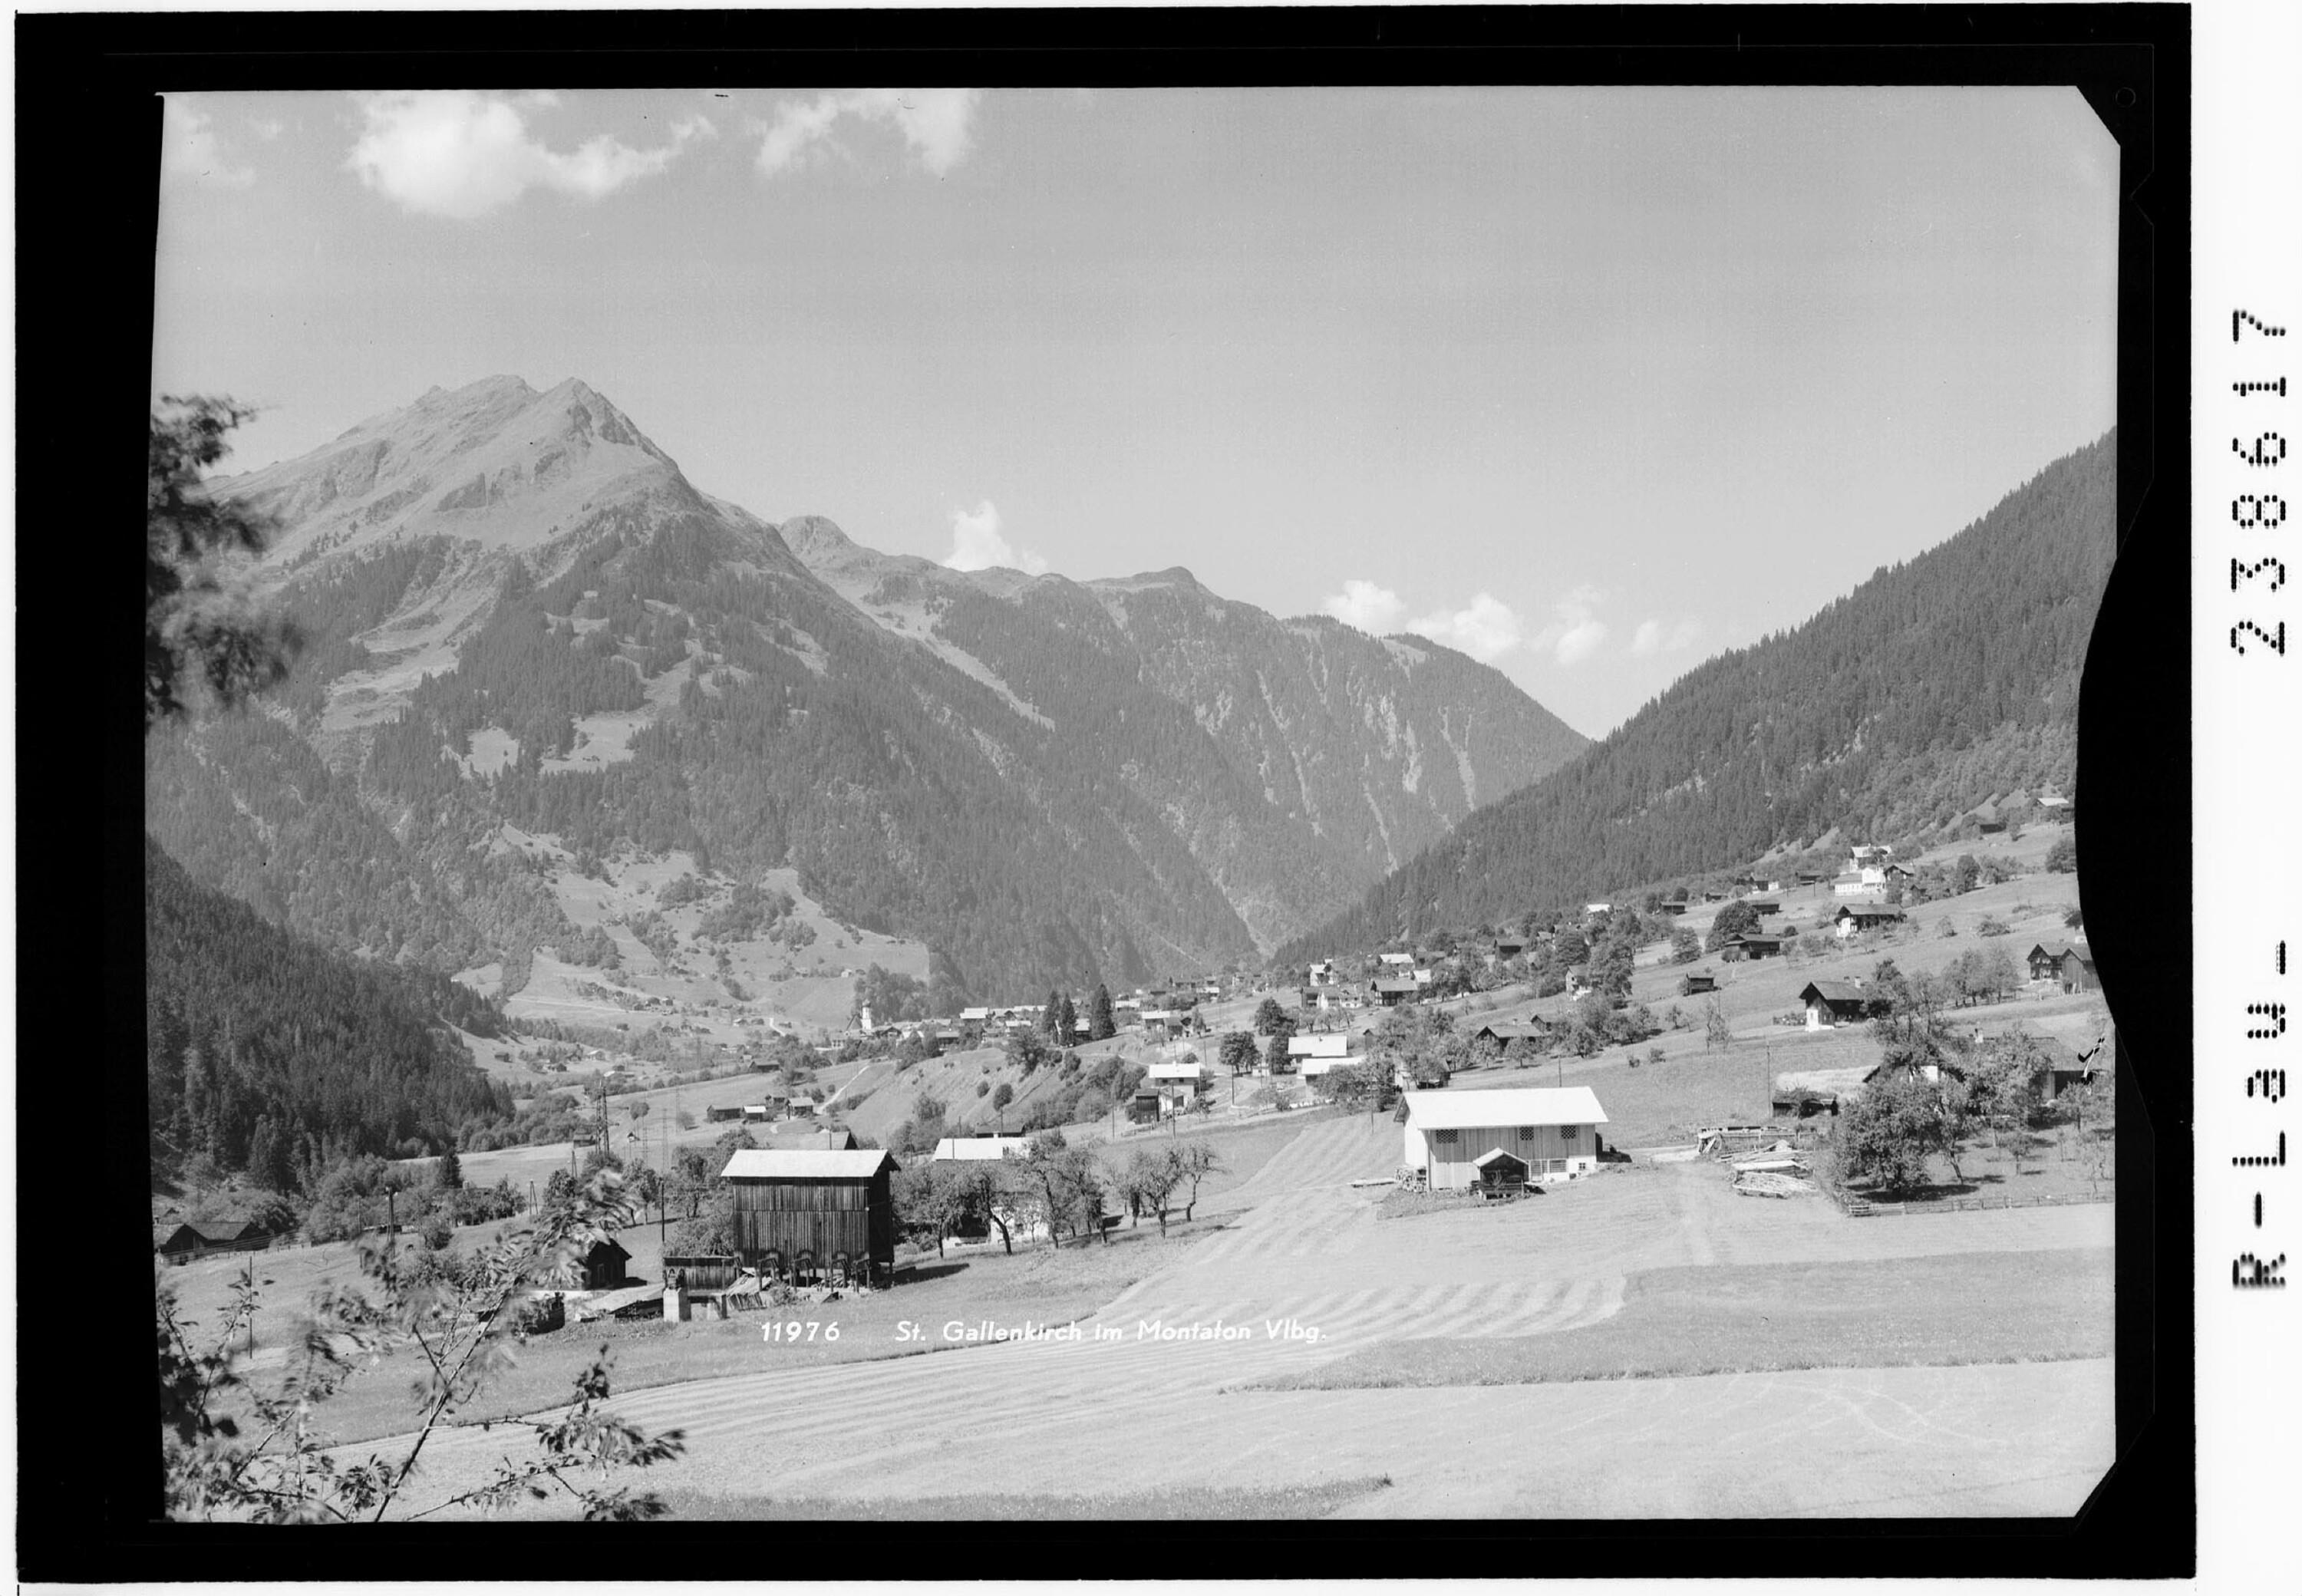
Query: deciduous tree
{"points": [[197, 617]]}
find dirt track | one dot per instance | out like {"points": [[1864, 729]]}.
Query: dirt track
{"points": [[1043, 1416]]}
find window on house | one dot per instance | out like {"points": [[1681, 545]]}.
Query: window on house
{"points": [[1569, 1132], [1446, 1138]]}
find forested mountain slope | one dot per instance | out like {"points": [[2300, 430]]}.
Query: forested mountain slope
{"points": [[1933, 687], [524, 616], [1297, 759], [265, 1051]]}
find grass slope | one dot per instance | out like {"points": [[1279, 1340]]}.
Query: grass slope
{"points": [[1949, 1309]]}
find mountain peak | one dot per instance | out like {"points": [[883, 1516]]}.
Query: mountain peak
{"points": [[493, 461]]}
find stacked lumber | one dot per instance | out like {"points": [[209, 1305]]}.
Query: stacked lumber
{"points": [[1769, 1183]]}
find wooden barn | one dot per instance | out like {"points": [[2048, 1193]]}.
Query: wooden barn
{"points": [[1852, 918], [191, 1240], [1701, 980], [815, 1215], [1551, 1131]]}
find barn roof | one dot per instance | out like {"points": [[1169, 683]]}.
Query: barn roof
{"points": [[1495, 1155], [1512, 1105], [801, 1142], [1837, 992], [765, 1165], [1505, 1029], [1166, 1072]]}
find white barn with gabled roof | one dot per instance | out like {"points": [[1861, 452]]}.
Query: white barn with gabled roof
{"points": [[1553, 1130]]}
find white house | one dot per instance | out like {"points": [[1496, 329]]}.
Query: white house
{"points": [[972, 1149], [1322, 973], [1552, 1130], [1328, 1044], [1179, 1086], [1598, 908], [1405, 960], [967, 1149]]}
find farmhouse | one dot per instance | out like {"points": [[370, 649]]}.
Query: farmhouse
{"points": [[1852, 918], [191, 1239], [1396, 961], [1322, 973], [1509, 947], [1765, 907], [1391, 993], [1334, 1044], [1673, 907], [2046, 961], [1851, 886], [1179, 1086], [1502, 1033], [815, 1215], [1839, 1003], [1753, 945], [1551, 1131], [2060, 1066]]}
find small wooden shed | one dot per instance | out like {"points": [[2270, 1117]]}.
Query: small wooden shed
{"points": [[815, 1214]]}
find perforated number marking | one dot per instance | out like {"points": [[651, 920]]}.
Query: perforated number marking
{"points": [[2247, 319], [2239, 570], [2260, 454], [2277, 644], [2276, 1014], [2243, 389], [2268, 509]]}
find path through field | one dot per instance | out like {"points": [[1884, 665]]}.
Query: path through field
{"points": [[1303, 1253]]}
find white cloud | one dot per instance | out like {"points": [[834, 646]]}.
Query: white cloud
{"points": [[188, 148], [266, 127], [1651, 638], [1366, 606], [934, 123], [1577, 631], [458, 154], [977, 544], [1484, 628]]}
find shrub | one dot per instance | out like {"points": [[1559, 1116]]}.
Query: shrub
{"points": [[537, 1315]]}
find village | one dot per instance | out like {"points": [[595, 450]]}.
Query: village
{"points": [[1418, 1158]]}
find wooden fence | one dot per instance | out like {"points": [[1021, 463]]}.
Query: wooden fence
{"points": [[1863, 1209]]}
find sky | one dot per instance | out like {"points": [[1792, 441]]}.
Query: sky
{"points": [[1589, 383]]}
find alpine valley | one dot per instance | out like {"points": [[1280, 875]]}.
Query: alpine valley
{"points": [[540, 661]]}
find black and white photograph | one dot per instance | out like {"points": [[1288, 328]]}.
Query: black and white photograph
{"points": [[1232, 804]]}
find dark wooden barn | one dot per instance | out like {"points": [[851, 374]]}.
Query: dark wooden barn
{"points": [[817, 1215], [212, 1236]]}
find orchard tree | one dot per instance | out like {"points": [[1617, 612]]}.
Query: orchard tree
{"points": [[1194, 1164], [1685, 947], [1886, 1136], [1237, 1053], [1733, 920], [1269, 1017], [235, 1447]]}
